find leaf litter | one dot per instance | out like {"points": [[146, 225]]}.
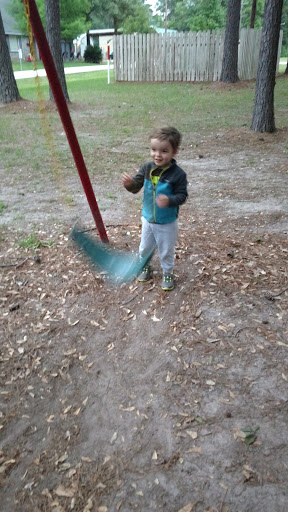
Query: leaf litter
{"points": [[119, 398]]}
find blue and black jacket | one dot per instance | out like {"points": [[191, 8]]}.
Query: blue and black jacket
{"points": [[170, 181]]}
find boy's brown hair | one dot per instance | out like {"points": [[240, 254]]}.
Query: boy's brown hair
{"points": [[169, 133]]}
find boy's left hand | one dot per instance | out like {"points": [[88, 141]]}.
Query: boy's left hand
{"points": [[162, 201]]}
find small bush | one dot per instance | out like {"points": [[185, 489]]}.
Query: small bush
{"points": [[93, 54]]}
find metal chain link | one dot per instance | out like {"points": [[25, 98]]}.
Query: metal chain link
{"points": [[55, 164]]}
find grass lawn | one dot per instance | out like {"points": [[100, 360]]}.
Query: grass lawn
{"points": [[135, 106]]}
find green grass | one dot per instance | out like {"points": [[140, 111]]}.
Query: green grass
{"points": [[33, 243], [113, 122], [128, 104], [2, 206]]}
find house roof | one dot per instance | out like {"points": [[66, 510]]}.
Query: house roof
{"points": [[8, 22], [96, 32]]}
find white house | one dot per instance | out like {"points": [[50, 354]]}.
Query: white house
{"points": [[101, 37], [15, 40]]}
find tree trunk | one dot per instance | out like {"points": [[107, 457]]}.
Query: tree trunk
{"points": [[8, 86], [229, 72], [286, 70], [53, 33], [253, 13], [263, 115]]}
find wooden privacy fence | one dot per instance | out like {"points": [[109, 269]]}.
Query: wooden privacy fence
{"points": [[183, 56]]}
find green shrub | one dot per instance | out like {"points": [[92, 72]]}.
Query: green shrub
{"points": [[93, 54]]}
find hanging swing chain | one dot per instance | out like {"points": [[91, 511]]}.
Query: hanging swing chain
{"points": [[30, 33], [55, 165]]}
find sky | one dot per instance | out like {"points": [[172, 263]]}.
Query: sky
{"points": [[152, 3]]}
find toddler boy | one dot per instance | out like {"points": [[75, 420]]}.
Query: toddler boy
{"points": [[165, 189]]}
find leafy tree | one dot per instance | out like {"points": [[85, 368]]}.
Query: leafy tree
{"points": [[53, 33], [157, 21], [209, 15], [263, 115], [114, 12], [73, 16], [185, 15], [229, 72], [17, 11], [140, 21], [171, 5], [181, 18], [247, 13], [8, 86]]}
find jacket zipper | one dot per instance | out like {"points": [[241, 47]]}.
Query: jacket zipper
{"points": [[154, 188]]}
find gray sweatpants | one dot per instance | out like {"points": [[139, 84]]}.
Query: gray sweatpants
{"points": [[162, 236]]}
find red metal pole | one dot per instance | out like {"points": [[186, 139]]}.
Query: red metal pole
{"points": [[64, 113]]}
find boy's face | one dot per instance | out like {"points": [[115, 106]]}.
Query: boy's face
{"points": [[161, 152]]}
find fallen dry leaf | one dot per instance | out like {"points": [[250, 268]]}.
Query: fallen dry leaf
{"points": [[73, 323], [127, 409], [88, 506], [113, 438], [281, 344], [64, 491], [62, 459], [192, 433], [154, 455], [155, 319], [194, 449]]}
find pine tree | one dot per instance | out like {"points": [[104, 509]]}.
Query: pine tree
{"points": [[53, 33], [229, 72], [8, 86], [263, 116]]}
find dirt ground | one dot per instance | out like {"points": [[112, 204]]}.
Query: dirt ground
{"points": [[127, 398]]}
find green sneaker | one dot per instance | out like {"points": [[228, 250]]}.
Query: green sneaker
{"points": [[145, 274], [167, 282]]}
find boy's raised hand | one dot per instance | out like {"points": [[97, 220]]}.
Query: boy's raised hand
{"points": [[127, 181]]}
